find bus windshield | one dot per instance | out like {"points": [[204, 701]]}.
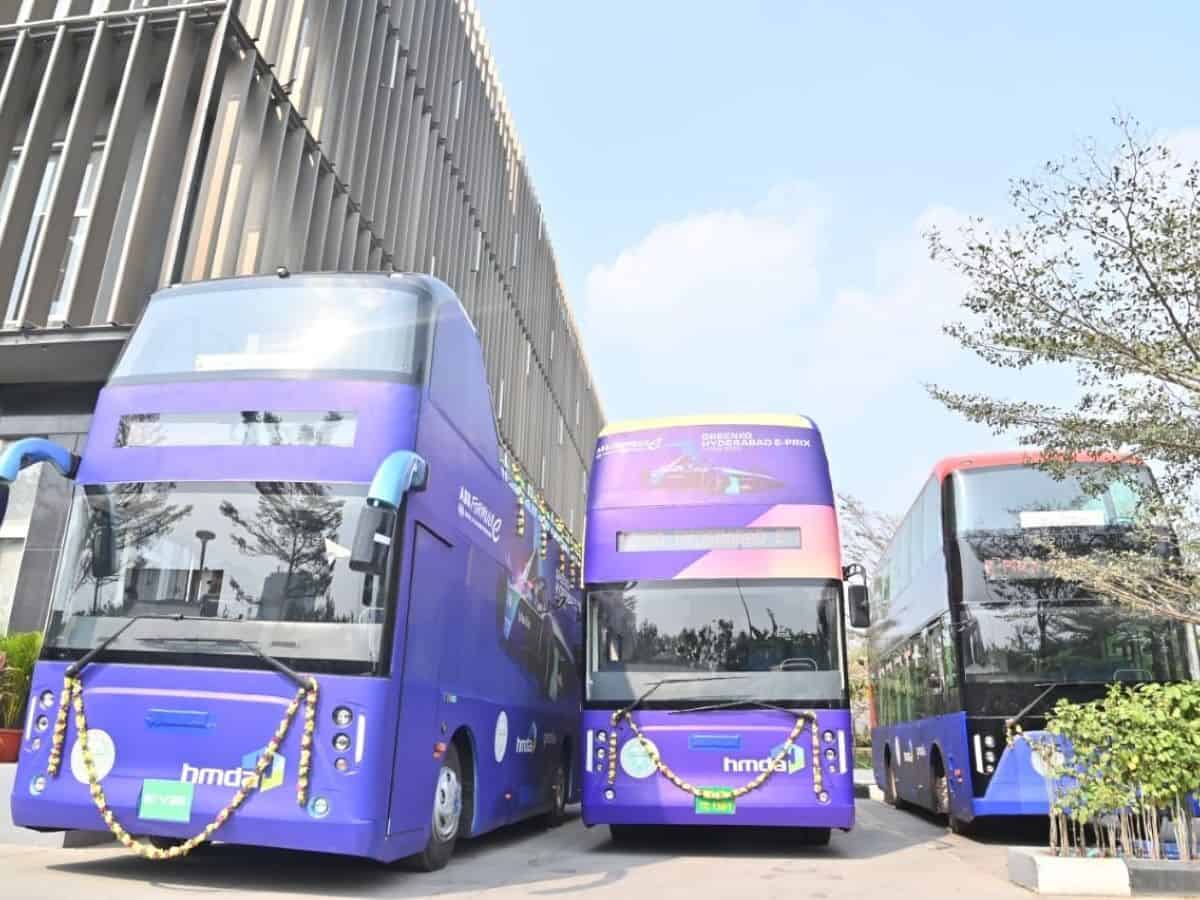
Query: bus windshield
{"points": [[266, 562], [310, 327], [1005, 498], [787, 632], [1070, 642]]}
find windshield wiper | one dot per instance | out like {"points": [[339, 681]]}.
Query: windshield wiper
{"points": [[274, 663], [743, 701], [1050, 687], [76, 667], [622, 713]]}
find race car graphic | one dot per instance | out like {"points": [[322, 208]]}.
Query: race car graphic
{"points": [[688, 473]]}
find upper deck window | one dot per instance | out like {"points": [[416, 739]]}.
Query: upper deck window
{"points": [[326, 326], [1023, 497]]}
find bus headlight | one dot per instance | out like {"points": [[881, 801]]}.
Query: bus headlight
{"points": [[601, 737], [37, 785], [340, 764], [318, 808], [42, 723], [342, 716], [600, 754], [989, 756], [830, 753], [823, 797], [47, 699], [828, 737], [610, 794], [989, 741], [341, 742]]}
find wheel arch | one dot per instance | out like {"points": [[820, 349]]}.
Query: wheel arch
{"points": [[468, 758]]}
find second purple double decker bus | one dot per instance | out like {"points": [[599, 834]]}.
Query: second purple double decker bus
{"points": [[716, 688]]}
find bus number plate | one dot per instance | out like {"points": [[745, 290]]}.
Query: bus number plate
{"points": [[166, 801], [723, 805]]}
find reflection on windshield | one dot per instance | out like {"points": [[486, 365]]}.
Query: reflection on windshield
{"points": [[263, 554], [1022, 497], [1044, 642], [644, 632], [316, 325]]}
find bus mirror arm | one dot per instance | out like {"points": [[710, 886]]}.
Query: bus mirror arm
{"points": [[401, 472], [27, 452]]}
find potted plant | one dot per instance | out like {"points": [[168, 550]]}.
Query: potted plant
{"points": [[19, 652]]}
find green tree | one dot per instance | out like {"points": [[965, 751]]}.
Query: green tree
{"points": [[1100, 273]]}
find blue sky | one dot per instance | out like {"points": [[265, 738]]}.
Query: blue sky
{"points": [[736, 192]]}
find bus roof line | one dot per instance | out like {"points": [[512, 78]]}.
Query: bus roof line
{"points": [[788, 421]]}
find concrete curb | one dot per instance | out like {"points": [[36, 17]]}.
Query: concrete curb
{"points": [[1040, 872]]}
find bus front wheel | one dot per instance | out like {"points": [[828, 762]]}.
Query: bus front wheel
{"points": [[623, 835], [891, 793], [814, 837], [446, 817]]}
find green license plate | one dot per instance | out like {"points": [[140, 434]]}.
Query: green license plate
{"points": [[166, 801], [722, 805]]}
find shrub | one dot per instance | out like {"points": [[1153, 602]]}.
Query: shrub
{"points": [[20, 652], [1122, 766]]}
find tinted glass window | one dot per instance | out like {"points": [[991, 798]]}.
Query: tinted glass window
{"points": [[316, 326], [265, 563], [1070, 643], [786, 632], [1016, 497]]}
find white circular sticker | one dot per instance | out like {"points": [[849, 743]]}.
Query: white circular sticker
{"points": [[104, 755], [500, 745], [635, 760]]}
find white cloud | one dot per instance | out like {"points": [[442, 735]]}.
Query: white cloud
{"points": [[751, 311], [703, 309]]}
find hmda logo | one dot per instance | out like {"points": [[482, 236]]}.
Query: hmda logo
{"points": [[528, 744], [790, 764], [237, 776]]}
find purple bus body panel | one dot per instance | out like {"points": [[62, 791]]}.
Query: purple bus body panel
{"points": [[695, 477], [175, 723], [721, 750]]}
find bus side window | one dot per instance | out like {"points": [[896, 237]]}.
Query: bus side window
{"points": [[935, 670], [949, 662]]}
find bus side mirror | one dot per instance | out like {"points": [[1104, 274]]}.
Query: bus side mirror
{"points": [[860, 605], [372, 540], [104, 549]]}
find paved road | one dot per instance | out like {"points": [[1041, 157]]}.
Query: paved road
{"points": [[894, 855]]}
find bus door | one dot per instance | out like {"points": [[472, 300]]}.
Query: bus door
{"points": [[431, 589]]}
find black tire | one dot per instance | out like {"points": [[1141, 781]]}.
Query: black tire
{"points": [[560, 788], [960, 826], [890, 797], [814, 837], [941, 795], [446, 816], [623, 835]]}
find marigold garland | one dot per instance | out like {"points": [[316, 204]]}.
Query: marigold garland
{"points": [[708, 793], [72, 694]]}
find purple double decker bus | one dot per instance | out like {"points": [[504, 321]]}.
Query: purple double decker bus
{"points": [[302, 601], [715, 687]]}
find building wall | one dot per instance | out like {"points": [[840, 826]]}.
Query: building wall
{"points": [[160, 141]]}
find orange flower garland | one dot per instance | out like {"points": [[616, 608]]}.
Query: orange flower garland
{"points": [[73, 693], [707, 793]]}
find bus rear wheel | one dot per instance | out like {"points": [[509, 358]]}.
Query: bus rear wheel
{"points": [[446, 816], [559, 788]]}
